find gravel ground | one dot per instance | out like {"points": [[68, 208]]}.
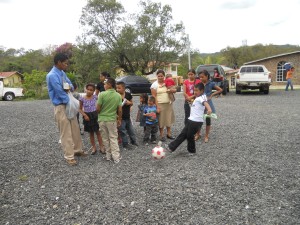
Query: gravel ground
{"points": [[249, 172]]}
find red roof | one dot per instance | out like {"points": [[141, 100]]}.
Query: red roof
{"points": [[8, 74]]}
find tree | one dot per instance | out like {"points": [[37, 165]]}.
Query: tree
{"points": [[133, 41], [34, 83], [198, 59], [87, 60]]}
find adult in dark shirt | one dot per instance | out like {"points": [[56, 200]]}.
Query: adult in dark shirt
{"points": [[100, 85], [126, 127]]}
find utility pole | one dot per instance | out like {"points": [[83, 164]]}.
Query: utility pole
{"points": [[189, 52]]}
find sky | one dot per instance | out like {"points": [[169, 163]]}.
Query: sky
{"points": [[211, 25]]}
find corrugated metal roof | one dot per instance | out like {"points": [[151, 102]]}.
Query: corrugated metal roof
{"points": [[8, 74]]}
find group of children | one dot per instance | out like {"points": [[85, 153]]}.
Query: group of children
{"points": [[91, 107]]}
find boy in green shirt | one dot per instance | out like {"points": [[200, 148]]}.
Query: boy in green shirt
{"points": [[109, 107]]}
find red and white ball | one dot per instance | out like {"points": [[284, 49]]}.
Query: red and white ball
{"points": [[158, 152]]}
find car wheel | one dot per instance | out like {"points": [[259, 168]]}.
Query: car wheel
{"points": [[266, 91], [9, 96], [224, 92], [237, 91], [128, 90]]}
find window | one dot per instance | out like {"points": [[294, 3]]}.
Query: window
{"points": [[260, 69], [281, 72], [248, 69]]}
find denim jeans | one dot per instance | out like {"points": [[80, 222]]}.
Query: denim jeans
{"points": [[127, 128], [151, 131], [289, 83]]}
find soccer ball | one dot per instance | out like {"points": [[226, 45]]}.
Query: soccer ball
{"points": [[158, 152]]}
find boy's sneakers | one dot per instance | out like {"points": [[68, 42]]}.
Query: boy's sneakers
{"points": [[83, 154], [71, 162], [162, 139], [153, 142], [135, 144], [118, 160], [168, 149], [127, 147]]}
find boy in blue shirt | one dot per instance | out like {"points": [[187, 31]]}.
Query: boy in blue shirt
{"points": [[151, 121]]}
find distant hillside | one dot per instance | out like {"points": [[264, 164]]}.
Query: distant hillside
{"points": [[277, 48], [234, 57]]}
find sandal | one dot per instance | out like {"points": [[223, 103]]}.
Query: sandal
{"points": [[94, 150], [206, 139], [102, 150], [197, 137]]}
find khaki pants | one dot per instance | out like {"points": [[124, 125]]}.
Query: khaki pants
{"points": [[109, 133], [69, 132]]}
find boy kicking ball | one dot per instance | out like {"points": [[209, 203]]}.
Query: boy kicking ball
{"points": [[195, 121]]}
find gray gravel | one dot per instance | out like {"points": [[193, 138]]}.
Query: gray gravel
{"points": [[249, 172]]}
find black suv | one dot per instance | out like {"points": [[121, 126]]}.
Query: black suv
{"points": [[210, 68], [136, 84]]}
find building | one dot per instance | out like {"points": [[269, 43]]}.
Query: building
{"points": [[275, 65], [230, 75], [11, 79]]}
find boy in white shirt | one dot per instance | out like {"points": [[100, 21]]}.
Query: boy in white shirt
{"points": [[195, 121]]}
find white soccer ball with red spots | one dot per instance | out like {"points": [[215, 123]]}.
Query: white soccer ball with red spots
{"points": [[158, 152]]}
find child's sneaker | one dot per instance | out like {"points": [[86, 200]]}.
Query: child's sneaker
{"points": [[135, 144], [71, 162], [168, 149], [118, 160]]}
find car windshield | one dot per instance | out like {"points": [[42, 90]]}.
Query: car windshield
{"points": [[209, 69], [252, 69]]}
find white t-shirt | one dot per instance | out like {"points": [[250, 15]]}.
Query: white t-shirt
{"points": [[197, 109]]}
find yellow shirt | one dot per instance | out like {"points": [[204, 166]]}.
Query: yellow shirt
{"points": [[161, 92]]}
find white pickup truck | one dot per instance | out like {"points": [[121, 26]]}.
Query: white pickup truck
{"points": [[8, 94], [251, 77]]}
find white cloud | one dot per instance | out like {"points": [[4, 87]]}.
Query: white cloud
{"points": [[34, 24], [211, 25], [238, 4]]}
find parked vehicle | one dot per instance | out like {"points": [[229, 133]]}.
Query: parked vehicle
{"points": [[210, 68], [251, 77], [8, 94], [136, 84]]}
